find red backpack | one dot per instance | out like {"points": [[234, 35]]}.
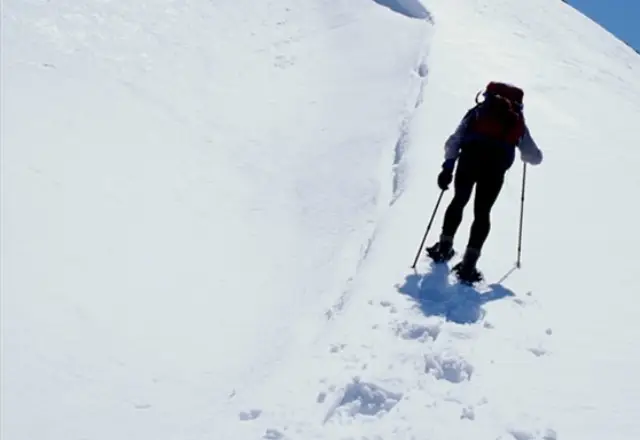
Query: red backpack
{"points": [[499, 116]]}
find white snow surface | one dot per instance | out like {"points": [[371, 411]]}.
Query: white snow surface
{"points": [[210, 210]]}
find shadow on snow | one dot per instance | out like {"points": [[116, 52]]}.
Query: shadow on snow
{"points": [[409, 8], [458, 303]]}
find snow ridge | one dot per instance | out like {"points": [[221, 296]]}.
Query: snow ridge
{"points": [[389, 194]]}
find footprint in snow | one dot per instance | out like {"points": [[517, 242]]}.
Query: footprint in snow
{"points": [[363, 399], [389, 305], [538, 351], [273, 434], [250, 415], [423, 70], [450, 368], [419, 332], [468, 413], [523, 434]]}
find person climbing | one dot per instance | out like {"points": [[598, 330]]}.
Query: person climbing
{"points": [[484, 146]]}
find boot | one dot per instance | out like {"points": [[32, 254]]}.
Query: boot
{"points": [[442, 251], [466, 270]]}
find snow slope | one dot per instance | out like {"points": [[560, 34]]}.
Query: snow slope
{"points": [[209, 212], [184, 183]]}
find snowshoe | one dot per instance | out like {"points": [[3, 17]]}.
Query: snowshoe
{"points": [[467, 274], [440, 253]]}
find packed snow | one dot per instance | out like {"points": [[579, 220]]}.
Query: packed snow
{"points": [[210, 210]]}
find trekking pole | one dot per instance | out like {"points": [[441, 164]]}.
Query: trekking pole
{"points": [[427, 231], [524, 182]]}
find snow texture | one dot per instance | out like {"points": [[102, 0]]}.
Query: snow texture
{"points": [[209, 210]]}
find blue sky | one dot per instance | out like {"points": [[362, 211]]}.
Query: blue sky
{"points": [[620, 17]]}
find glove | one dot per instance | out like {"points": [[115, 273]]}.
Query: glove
{"points": [[444, 179], [446, 175]]}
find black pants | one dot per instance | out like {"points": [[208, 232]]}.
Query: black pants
{"points": [[488, 181]]}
